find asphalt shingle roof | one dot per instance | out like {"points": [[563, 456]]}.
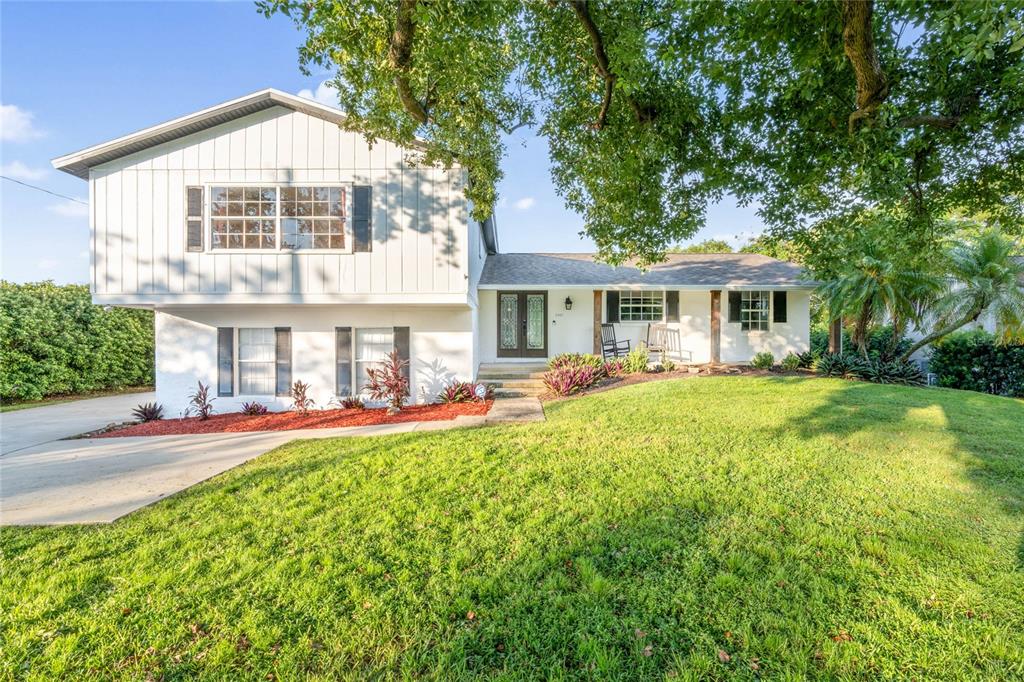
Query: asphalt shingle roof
{"points": [[679, 269]]}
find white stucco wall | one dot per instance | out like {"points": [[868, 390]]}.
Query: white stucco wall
{"points": [[441, 347], [690, 338], [793, 336]]}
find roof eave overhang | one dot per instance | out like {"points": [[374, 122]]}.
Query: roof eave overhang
{"points": [[78, 163]]}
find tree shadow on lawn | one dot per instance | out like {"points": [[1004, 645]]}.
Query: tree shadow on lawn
{"points": [[982, 435], [449, 555]]}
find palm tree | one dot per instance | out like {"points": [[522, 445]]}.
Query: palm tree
{"points": [[986, 277], [874, 290]]}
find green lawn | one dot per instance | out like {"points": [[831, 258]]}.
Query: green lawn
{"points": [[712, 528]]}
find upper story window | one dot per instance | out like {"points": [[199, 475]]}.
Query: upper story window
{"points": [[243, 217], [754, 306], [641, 306], [313, 217], [272, 217]]}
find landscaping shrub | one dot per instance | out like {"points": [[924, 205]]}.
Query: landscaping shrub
{"points": [[576, 360], [890, 372], [463, 392], [880, 343], [668, 364], [201, 402], [842, 365], [791, 362], [148, 412], [301, 402], [388, 382], [612, 368], [568, 380], [636, 361], [763, 360], [971, 360], [254, 409], [352, 403], [53, 340], [807, 359]]}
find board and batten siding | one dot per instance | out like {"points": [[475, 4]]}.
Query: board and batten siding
{"points": [[420, 250]]}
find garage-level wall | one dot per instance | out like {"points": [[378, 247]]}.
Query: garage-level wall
{"points": [[441, 347]]}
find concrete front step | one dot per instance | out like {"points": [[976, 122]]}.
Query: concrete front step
{"points": [[501, 392], [513, 383]]}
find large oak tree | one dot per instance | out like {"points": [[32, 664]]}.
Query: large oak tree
{"points": [[653, 108]]}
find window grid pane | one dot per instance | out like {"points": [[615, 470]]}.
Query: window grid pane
{"points": [[372, 345], [256, 358], [754, 308], [641, 306], [311, 217]]}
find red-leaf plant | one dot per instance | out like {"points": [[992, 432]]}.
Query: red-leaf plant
{"points": [[301, 401], [201, 402], [387, 382]]}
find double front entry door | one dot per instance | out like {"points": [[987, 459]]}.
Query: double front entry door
{"points": [[522, 324]]}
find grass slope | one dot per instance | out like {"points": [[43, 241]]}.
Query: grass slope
{"points": [[722, 528]]}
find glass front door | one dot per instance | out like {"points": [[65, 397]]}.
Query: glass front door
{"points": [[522, 324]]}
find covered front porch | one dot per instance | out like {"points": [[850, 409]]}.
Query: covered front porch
{"points": [[693, 325]]}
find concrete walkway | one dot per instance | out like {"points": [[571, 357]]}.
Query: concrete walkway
{"points": [[37, 425], [516, 410], [101, 479]]}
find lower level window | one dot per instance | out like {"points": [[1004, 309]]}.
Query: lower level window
{"points": [[372, 345], [641, 306], [754, 310], [256, 355]]}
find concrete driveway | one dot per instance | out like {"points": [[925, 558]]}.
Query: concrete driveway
{"points": [[37, 425], [98, 480]]}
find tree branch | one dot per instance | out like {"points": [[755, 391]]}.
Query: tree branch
{"points": [[400, 56], [941, 122], [643, 114], [859, 46]]}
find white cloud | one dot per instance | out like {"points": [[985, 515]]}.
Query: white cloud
{"points": [[16, 124], [70, 209], [525, 203], [325, 94], [19, 171]]}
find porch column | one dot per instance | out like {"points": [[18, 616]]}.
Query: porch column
{"points": [[597, 322], [835, 336], [716, 326]]}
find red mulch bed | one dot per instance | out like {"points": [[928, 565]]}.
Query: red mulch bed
{"points": [[287, 421]]}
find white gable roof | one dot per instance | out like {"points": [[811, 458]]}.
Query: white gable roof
{"points": [[79, 163]]}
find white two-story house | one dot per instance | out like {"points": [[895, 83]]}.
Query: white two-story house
{"points": [[275, 246]]}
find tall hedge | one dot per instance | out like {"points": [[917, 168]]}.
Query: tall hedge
{"points": [[53, 340], [972, 360]]}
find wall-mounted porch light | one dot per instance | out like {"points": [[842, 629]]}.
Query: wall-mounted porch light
{"points": [[568, 303]]}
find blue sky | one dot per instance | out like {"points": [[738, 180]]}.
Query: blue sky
{"points": [[76, 74]]}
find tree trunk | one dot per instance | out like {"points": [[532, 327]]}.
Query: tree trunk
{"points": [[945, 331], [400, 56], [859, 46]]}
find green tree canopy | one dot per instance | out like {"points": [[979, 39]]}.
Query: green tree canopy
{"points": [[651, 109], [706, 246]]}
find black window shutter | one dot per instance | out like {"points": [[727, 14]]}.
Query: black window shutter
{"points": [[225, 361], [779, 306], [612, 305], [362, 239], [343, 360], [283, 364], [194, 219], [672, 306], [401, 341], [735, 299]]}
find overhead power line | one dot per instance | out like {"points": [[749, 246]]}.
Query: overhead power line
{"points": [[43, 189]]}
